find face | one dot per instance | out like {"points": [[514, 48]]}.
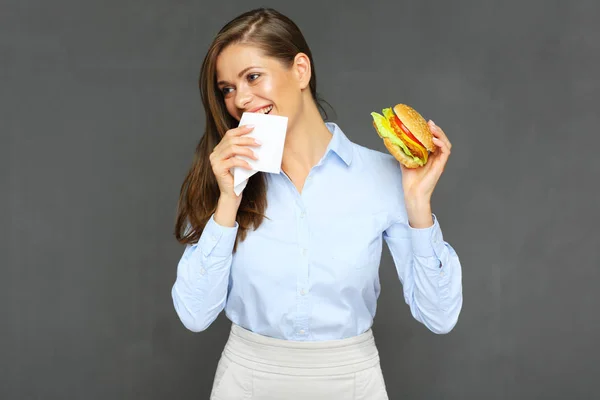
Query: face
{"points": [[252, 82]]}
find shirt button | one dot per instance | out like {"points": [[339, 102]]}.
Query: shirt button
{"points": [[442, 273], [304, 252], [302, 292], [301, 331], [302, 214], [213, 238], [202, 271]]}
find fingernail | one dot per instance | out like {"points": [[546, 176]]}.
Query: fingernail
{"points": [[257, 141], [250, 126], [433, 122]]}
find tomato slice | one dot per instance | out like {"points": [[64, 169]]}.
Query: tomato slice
{"points": [[405, 135], [407, 131]]}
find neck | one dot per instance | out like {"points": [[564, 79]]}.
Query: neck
{"points": [[305, 142]]}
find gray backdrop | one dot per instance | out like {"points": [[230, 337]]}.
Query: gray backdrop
{"points": [[100, 116]]}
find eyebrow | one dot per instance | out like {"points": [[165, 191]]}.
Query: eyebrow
{"points": [[239, 75]]}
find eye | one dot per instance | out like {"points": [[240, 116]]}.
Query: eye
{"points": [[253, 77], [225, 90]]}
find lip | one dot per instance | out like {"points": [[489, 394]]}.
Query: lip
{"points": [[259, 108]]}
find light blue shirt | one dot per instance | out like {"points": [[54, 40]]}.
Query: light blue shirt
{"points": [[311, 271]]}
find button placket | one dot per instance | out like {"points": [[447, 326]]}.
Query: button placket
{"points": [[301, 321]]}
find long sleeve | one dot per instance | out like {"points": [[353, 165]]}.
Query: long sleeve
{"points": [[200, 290], [430, 272]]}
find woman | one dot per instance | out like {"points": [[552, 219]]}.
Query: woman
{"points": [[294, 259]]}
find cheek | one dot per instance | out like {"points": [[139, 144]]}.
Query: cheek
{"points": [[267, 88], [281, 94]]}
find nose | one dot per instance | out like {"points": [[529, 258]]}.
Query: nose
{"points": [[242, 97]]}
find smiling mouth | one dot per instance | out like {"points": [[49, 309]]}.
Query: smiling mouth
{"points": [[265, 110]]}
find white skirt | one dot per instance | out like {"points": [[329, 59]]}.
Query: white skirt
{"points": [[257, 367]]}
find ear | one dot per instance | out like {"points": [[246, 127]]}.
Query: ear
{"points": [[302, 70]]}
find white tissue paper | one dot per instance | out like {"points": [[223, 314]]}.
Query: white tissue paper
{"points": [[270, 130]]}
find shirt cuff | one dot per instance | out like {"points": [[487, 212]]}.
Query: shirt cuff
{"points": [[427, 242], [217, 240]]}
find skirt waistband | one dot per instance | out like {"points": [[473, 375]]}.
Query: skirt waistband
{"points": [[329, 357]]}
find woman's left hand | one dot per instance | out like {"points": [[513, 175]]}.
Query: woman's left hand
{"points": [[419, 183]]}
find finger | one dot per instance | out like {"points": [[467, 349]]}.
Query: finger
{"points": [[240, 130], [235, 162], [444, 152], [245, 141], [222, 150], [235, 150], [439, 133], [442, 145]]}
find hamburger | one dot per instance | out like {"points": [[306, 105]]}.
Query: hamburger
{"points": [[405, 134]]}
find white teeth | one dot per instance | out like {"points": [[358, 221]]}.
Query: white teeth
{"points": [[265, 110]]}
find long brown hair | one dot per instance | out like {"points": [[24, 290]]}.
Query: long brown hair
{"points": [[278, 37]]}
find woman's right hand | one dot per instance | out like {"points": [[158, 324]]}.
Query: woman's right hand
{"points": [[224, 154]]}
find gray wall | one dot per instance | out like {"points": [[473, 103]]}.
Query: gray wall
{"points": [[100, 114]]}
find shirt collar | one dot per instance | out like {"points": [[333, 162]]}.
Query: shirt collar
{"points": [[339, 143]]}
